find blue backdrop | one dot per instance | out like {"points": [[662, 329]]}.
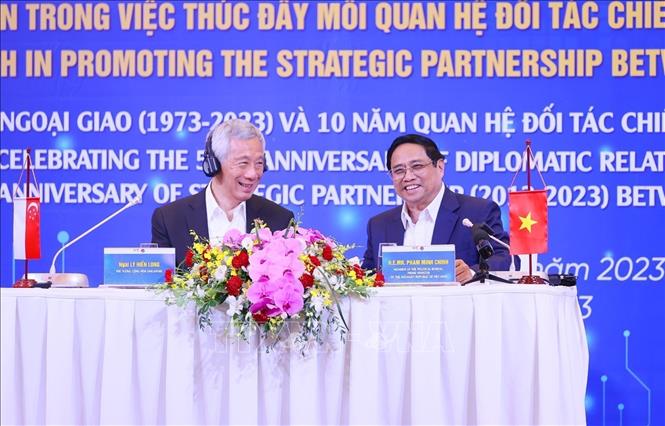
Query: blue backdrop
{"points": [[115, 104]]}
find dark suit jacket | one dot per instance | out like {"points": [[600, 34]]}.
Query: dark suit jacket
{"points": [[171, 223], [387, 227]]}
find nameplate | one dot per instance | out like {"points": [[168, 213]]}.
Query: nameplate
{"points": [[137, 266], [423, 265]]}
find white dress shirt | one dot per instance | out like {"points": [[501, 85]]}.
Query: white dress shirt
{"points": [[218, 221], [421, 232]]}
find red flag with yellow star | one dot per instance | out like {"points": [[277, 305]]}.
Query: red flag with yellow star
{"points": [[528, 221]]}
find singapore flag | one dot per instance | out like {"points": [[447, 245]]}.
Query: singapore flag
{"points": [[26, 228]]}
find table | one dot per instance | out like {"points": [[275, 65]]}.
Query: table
{"points": [[483, 354]]}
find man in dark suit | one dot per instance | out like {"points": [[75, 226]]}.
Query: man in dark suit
{"points": [[234, 159], [432, 213]]}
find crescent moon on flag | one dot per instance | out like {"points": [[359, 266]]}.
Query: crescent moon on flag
{"points": [[33, 204]]}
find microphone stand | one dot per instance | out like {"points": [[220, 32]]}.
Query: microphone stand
{"points": [[484, 274], [485, 251], [71, 279]]}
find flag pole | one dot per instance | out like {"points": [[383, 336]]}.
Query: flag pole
{"points": [[530, 279], [26, 282], [528, 185]]}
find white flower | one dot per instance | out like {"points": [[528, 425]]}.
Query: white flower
{"points": [[220, 273], [235, 305], [335, 281], [354, 261], [319, 275], [317, 303], [199, 292], [247, 243], [195, 270]]}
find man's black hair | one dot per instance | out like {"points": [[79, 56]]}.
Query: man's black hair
{"points": [[431, 149]]}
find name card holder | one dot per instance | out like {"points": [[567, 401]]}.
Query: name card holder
{"points": [[419, 265], [137, 266]]}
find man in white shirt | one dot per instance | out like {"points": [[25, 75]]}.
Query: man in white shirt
{"points": [[431, 212], [234, 160]]}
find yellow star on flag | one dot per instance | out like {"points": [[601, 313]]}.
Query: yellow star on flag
{"points": [[527, 222]]}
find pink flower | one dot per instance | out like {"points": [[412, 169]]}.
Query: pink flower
{"points": [[289, 295], [310, 235], [260, 289], [265, 235], [274, 297], [233, 237], [265, 306], [275, 258]]}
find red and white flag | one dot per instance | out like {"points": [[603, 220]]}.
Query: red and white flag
{"points": [[27, 244]]}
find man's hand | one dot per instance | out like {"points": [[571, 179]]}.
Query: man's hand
{"points": [[462, 271]]}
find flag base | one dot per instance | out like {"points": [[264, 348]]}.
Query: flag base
{"points": [[24, 283], [61, 279], [531, 279]]}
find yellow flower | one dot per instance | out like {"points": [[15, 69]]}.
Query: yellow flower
{"points": [[327, 301], [199, 247]]}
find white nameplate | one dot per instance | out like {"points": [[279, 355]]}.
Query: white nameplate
{"points": [[137, 266], [422, 265]]}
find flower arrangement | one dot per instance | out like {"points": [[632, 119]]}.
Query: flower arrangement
{"points": [[265, 279]]}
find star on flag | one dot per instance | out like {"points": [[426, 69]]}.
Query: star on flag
{"points": [[527, 222]]}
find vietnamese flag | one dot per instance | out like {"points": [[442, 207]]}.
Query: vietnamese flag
{"points": [[26, 228], [528, 221]]}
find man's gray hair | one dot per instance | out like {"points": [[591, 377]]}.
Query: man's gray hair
{"points": [[236, 129]]}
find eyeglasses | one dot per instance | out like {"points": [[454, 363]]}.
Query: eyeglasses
{"points": [[417, 168]]}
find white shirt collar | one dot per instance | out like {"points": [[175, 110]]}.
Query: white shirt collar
{"points": [[218, 221], [432, 209]]}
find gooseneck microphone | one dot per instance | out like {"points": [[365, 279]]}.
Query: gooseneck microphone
{"points": [[483, 246], [485, 228], [485, 251], [72, 279], [133, 202]]}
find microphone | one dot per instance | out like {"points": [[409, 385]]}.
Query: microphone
{"points": [[483, 246], [74, 279], [485, 228], [485, 251]]}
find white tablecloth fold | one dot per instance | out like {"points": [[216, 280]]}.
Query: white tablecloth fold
{"points": [[492, 354]]}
